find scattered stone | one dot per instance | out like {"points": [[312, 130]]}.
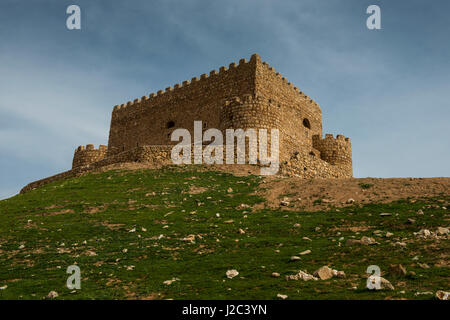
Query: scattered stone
{"points": [[400, 244], [241, 231], [305, 252], [442, 295], [367, 241], [297, 225], [350, 201], [125, 250], [385, 214], [423, 265], [169, 282], [301, 275], [317, 229], [389, 234], [423, 233], [282, 296], [52, 295], [91, 253], [442, 231], [384, 284], [411, 221], [324, 273], [419, 211], [284, 203], [21, 246], [339, 274], [295, 258], [397, 270], [232, 273], [3, 287], [423, 293], [129, 268], [275, 274], [230, 190], [306, 238], [190, 237], [132, 230]]}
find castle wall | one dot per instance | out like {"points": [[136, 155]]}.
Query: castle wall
{"points": [[334, 151], [305, 165], [150, 120], [87, 155], [294, 108]]}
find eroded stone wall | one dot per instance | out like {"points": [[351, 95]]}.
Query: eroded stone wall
{"points": [[87, 155]]}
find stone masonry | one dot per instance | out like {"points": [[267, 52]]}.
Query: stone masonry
{"points": [[248, 95]]}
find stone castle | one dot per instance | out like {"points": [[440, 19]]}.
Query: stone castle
{"points": [[247, 95]]}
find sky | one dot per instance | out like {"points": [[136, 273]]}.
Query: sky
{"points": [[388, 90]]}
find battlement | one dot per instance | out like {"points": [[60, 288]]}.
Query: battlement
{"points": [[334, 150], [288, 84], [330, 138], [205, 77], [85, 155]]}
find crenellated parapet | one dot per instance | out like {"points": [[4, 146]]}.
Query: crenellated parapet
{"points": [[187, 85], [336, 151], [85, 155], [212, 76], [274, 75]]}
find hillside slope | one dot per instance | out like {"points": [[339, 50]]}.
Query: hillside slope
{"points": [[131, 231]]}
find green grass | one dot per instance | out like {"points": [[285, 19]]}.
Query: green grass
{"points": [[60, 223]]}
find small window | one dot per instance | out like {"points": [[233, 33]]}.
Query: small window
{"points": [[306, 123], [170, 124]]}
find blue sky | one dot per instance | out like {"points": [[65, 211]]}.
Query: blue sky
{"points": [[388, 90]]}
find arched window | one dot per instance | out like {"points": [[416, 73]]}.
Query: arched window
{"points": [[170, 124], [306, 123]]}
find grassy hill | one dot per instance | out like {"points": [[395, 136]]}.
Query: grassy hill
{"points": [[130, 231]]}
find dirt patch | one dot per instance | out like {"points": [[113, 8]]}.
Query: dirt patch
{"points": [[112, 226], [92, 210], [321, 194], [55, 213], [196, 190]]}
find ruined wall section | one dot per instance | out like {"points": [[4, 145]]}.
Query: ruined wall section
{"points": [[334, 151], [86, 155], [301, 117], [151, 120]]}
